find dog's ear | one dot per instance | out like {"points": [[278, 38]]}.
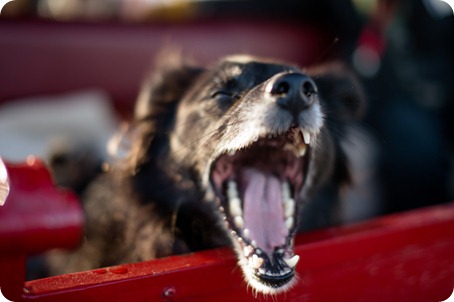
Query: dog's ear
{"points": [[162, 90], [340, 90], [169, 80]]}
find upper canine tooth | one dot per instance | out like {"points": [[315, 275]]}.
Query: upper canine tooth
{"points": [[306, 136], [292, 261]]}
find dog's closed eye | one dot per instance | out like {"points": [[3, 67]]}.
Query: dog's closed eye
{"points": [[224, 96]]}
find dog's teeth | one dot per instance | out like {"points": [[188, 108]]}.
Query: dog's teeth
{"points": [[232, 190], [292, 261], [234, 201], [239, 222], [285, 187], [248, 250], [289, 208], [289, 222], [302, 150], [306, 136], [289, 204], [257, 261], [253, 243], [262, 271], [246, 233], [235, 207]]}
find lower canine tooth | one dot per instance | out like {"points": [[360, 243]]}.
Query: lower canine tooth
{"points": [[248, 250], [257, 261], [292, 261]]}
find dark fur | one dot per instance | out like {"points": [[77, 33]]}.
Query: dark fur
{"points": [[155, 202]]}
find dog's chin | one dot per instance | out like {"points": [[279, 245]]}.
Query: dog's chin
{"points": [[263, 287], [258, 189]]}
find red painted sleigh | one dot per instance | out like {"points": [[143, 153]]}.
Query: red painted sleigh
{"points": [[405, 257]]}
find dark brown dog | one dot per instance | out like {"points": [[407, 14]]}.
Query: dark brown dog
{"points": [[231, 155]]}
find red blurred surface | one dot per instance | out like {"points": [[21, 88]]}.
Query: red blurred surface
{"points": [[39, 58], [404, 257]]}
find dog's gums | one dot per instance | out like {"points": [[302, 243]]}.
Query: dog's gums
{"points": [[258, 189]]}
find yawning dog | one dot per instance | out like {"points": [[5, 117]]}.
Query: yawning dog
{"points": [[235, 154]]}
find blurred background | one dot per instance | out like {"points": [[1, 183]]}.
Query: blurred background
{"points": [[70, 70]]}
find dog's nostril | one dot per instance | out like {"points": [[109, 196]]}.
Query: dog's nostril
{"points": [[292, 91], [280, 88], [308, 88]]}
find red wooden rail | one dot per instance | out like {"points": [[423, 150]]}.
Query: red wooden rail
{"points": [[405, 257]]}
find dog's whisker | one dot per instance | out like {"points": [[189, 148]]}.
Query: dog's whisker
{"points": [[199, 139], [187, 123]]}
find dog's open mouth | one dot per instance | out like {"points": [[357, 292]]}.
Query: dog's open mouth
{"points": [[258, 188]]}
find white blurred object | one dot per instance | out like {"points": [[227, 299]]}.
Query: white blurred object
{"points": [[30, 126], [450, 298], [4, 183], [3, 3]]}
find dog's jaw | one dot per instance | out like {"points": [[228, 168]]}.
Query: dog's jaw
{"points": [[262, 228]]}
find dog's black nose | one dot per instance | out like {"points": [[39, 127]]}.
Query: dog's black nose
{"points": [[292, 91]]}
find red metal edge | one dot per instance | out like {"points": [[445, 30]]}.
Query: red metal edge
{"points": [[404, 257]]}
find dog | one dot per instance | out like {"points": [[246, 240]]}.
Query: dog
{"points": [[245, 153]]}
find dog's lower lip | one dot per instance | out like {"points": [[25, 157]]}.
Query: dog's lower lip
{"points": [[275, 280]]}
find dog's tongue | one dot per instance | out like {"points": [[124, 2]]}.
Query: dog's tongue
{"points": [[263, 212]]}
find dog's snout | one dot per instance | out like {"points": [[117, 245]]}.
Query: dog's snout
{"points": [[292, 91]]}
